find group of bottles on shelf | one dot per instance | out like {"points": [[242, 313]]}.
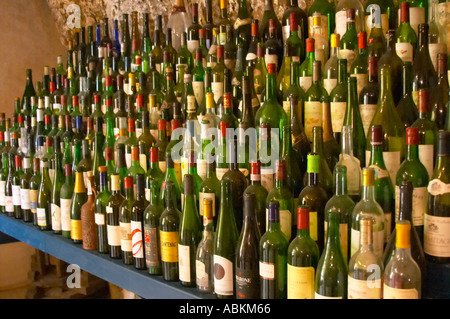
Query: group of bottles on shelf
{"points": [[314, 154]]}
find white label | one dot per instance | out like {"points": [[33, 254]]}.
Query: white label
{"points": [[162, 166], [128, 159], [437, 187], [200, 273], [435, 49], [313, 117], [56, 217], [184, 263], [143, 161], [392, 162], [364, 289], [271, 58], [65, 214], [367, 113], [99, 219], [41, 220], [198, 91], [201, 168], [220, 172], [223, 276], [337, 115], [113, 233], [125, 236], [2, 193], [397, 293], [405, 51], [426, 157], [24, 198], [329, 84], [319, 296], [419, 207], [9, 206], [437, 236], [267, 178], [267, 270], [379, 172], [217, 89], [305, 82], [210, 196], [193, 45], [378, 241], [16, 195], [319, 55], [341, 22], [416, 17], [137, 239]]}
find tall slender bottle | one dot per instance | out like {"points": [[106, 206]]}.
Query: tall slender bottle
{"points": [[368, 97], [204, 262], [302, 259], [79, 198], [137, 223], [406, 38], [25, 190], [112, 218], [439, 95], [101, 199], [225, 245], [43, 201], [125, 222], [406, 108]]}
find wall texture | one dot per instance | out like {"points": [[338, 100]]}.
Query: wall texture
{"points": [[29, 39]]}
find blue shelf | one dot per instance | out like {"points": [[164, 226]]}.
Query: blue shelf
{"points": [[100, 265]]}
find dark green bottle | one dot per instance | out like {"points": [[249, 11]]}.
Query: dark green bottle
{"points": [[100, 211], [137, 223]]}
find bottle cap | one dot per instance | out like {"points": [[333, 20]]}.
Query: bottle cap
{"points": [[368, 176], [280, 171], [403, 234], [335, 40], [161, 125], [293, 22], [302, 217], [312, 163], [274, 211], [188, 184], [219, 51], [412, 136], [254, 28], [271, 68], [131, 125], [310, 45], [18, 161], [377, 135], [422, 104], [128, 182], [207, 210]]}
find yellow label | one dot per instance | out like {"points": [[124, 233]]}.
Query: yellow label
{"points": [[169, 246], [33, 200], [396, 293], [300, 282], [313, 117], [364, 289], [313, 225], [75, 232]]}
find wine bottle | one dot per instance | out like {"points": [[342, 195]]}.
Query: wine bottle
{"points": [[125, 222], [387, 14], [402, 278], [406, 38], [137, 223], [204, 260], [342, 203], [100, 201], [342, 8], [225, 242], [428, 133], [437, 212], [315, 197], [406, 108], [88, 226], [368, 97], [273, 256], [338, 99], [112, 218], [269, 13], [439, 94], [367, 207], [169, 234], [43, 201], [326, 11], [79, 198], [365, 268], [260, 193], [437, 33], [325, 173], [302, 259], [247, 252], [25, 190], [359, 67], [301, 18], [376, 43], [349, 39], [330, 69], [321, 46], [273, 47], [306, 72], [332, 272]]}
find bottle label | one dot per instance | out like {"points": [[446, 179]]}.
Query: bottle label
{"points": [[75, 231], [192, 45], [329, 84], [163, 167], [41, 220], [323, 25], [367, 113], [217, 89], [437, 187], [210, 196], [300, 282], [113, 233], [349, 55], [379, 172], [319, 54], [16, 195], [125, 237], [271, 59], [364, 289], [426, 157], [396, 293], [267, 178], [392, 162], [223, 276], [151, 246], [9, 206], [220, 172], [169, 246], [128, 159], [65, 213], [416, 17], [2, 193], [201, 168], [313, 117], [378, 241], [313, 226], [202, 276], [136, 239], [337, 115], [56, 217], [435, 49], [267, 270], [361, 80], [24, 198], [405, 51], [99, 219], [437, 236], [184, 263], [198, 91], [305, 82], [285, 222], [143, 161], [319, 296], [419, 207]]}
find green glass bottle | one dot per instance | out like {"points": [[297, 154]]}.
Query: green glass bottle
{"points": [[25, 190], [100, 211], [332, 272], [338, 99], [326, 10], [349, 41], [43, 201], [205, 251], [306, 71], [273, 257], [359, 67], [34, 188], [152, 215], [154, 173], [58, 181], [315, 197], [342, 203], [15, 185], [169, 234], [302, 259], [125, 222], [406, 37], [137, 223], [406, 108]]}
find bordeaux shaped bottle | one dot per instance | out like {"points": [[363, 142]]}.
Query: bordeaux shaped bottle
{"points": [[406, 108], [137, 219], [101, 199], [125, 222], [112, 218], [368, 97]]}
